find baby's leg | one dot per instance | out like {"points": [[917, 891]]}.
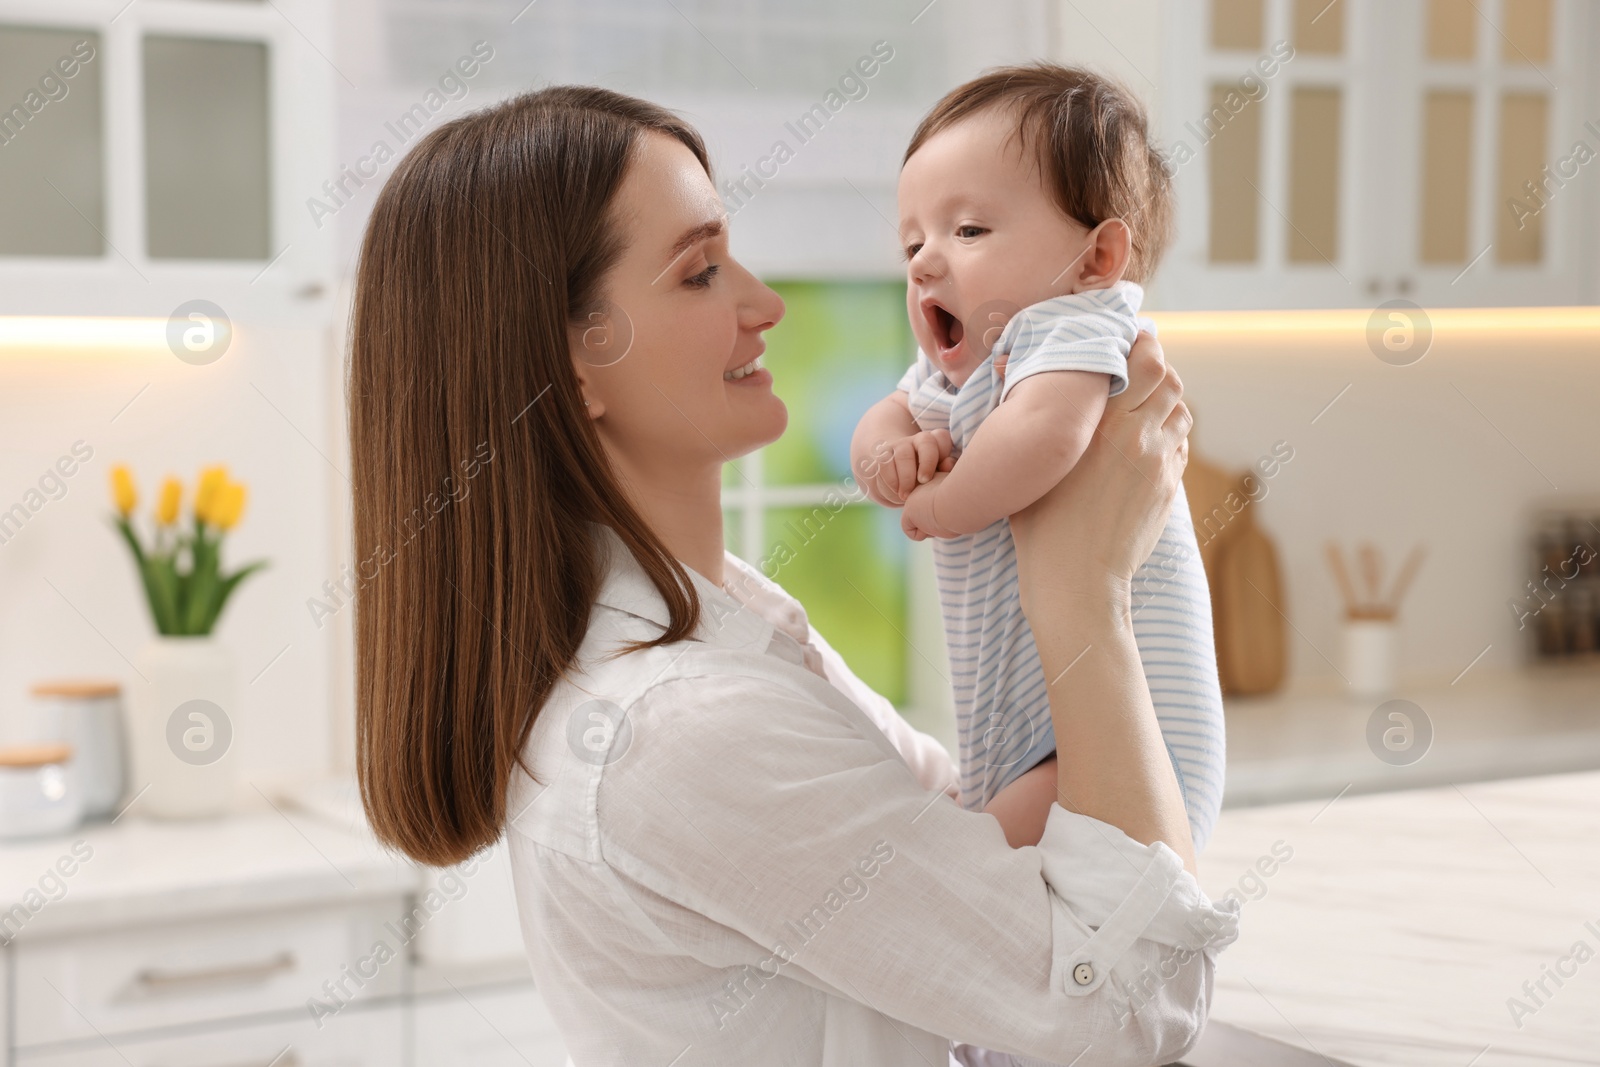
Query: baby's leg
{"points": [[1023, 806], [1172, 627]]}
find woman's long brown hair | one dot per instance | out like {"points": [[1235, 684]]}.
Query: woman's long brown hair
{"points": [[473, 467]]}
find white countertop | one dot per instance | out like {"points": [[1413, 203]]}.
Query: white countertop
{"points": [[1310, 740], [143, 870], [1403, 922]]}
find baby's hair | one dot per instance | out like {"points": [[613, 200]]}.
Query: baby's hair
{"points": [[1091, 138]]}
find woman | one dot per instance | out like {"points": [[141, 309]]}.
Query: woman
{"points": [[727, 849]]}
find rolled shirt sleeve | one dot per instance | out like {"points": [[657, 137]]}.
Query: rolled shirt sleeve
{"points": [[782, 812]]}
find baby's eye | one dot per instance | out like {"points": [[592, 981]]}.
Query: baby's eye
{"points": [[912, 249], [969, 231]]}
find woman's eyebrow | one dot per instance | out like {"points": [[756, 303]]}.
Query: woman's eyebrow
{"points": [[692, 236]]}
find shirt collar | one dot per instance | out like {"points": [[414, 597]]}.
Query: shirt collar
{"points": [[724, 621]]}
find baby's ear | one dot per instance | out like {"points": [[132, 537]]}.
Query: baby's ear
{"points": [[1105, 259]]}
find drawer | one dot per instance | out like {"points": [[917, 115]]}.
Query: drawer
{"points": [[360, 1037], [312, 962]]}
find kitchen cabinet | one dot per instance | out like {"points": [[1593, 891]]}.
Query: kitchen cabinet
{"points": [[1346, 153], [262, 937], [161, 152], [355, 1039], [174, 974]]}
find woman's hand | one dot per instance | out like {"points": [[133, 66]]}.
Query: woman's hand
{"points": [[1099, 525], [1077, 549]]}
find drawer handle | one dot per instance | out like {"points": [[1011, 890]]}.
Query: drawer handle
{"points": [[154, 981]]}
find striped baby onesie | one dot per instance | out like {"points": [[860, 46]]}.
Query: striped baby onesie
{"points": [[1002, 710]]}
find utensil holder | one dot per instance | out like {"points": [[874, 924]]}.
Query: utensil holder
{"points": [[1370, 656]]}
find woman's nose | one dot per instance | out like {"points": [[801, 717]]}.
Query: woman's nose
{"points": [[761, 308]]}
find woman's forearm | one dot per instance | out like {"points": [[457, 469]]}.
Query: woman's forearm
{"points": [[1111, 763]]}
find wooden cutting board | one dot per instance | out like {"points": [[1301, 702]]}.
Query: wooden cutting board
{"points": [[1207, 486], [1241, 565], [1249, 612]]}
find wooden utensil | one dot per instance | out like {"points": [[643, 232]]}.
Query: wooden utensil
{"points": [[1402, 582], [1347, 590], [1372, 576]]}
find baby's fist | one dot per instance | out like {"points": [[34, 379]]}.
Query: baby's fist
{"points": [[898, 467], [917, 520]]}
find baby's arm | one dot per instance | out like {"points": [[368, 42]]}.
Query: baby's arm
{"points": [[1025, 446], [890, 455]]}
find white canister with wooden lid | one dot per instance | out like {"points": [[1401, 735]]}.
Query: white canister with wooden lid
{"points": [[87, 714], [39, 795]]}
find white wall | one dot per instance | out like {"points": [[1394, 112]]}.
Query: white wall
{"points": [[70, 602], [1452, 452]]}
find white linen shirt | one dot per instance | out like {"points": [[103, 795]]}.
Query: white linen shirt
{"points": [[727, 859]]}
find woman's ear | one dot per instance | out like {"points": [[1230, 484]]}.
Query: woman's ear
{"points": [[593, 406], [602, 339], [1106, 255]]}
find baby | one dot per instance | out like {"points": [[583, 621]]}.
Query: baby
{"points": [[1031, 206]]}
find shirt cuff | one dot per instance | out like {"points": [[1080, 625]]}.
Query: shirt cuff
{"points": [[1123, 891]]}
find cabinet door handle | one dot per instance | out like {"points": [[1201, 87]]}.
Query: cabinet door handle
{"points": [[154, 981]]}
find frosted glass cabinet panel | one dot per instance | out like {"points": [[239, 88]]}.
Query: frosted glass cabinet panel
{"points": [[1237, 24], [1314, 175], [51, 142], [207, 156], [1446, 174], [1363, 150], [143, 155]]}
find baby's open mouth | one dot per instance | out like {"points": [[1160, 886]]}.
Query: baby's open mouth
{"points": [[947, 329]]}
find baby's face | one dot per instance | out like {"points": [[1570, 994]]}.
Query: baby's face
{"points": [[983, 239]]}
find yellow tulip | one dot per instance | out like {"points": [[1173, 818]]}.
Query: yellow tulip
{"points": [[171, 497], [123, 492], [229, 505], [212, 479]]}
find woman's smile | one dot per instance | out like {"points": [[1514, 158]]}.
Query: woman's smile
{"points": [[751, 373]]}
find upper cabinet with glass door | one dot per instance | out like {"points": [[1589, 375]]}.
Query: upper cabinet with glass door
{"points": [[140, 152], [1336, 153]]}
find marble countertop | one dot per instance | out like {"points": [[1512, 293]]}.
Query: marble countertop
{"points": [[1401, 927], [270, 855], [1311, 740]]}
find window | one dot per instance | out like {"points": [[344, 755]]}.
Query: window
{"points": [[793, 509]]}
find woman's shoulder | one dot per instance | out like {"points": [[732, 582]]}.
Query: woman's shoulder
{"points": [[665, 719]]}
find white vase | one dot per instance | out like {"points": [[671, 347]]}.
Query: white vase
{"points": [[180, 716], [1370, 656]]}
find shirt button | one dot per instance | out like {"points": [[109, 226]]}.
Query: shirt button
{"points": [[1083, 974]]}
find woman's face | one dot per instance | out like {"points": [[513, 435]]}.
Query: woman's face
{"points": [[671, 370]]}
